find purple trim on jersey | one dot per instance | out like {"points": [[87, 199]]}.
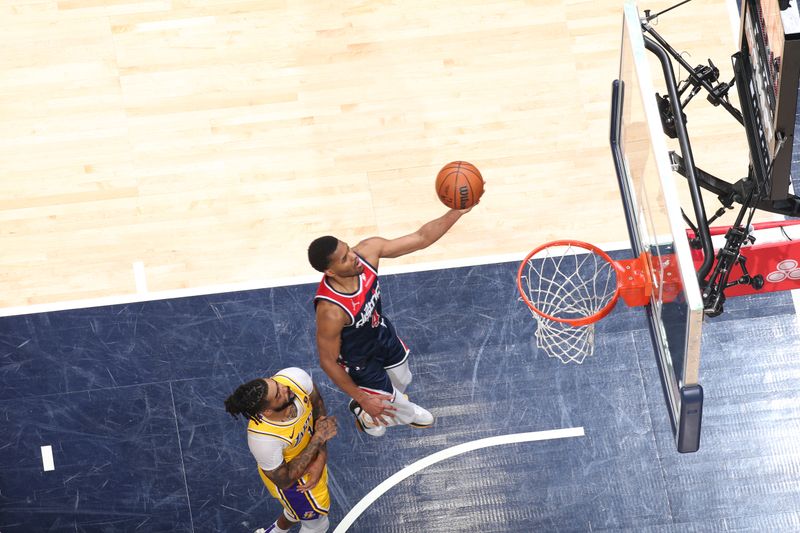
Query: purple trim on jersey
{"points": [[302, 504], [287, 507]]}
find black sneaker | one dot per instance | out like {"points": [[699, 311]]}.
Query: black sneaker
{"points": [[374, 431], [356, 410]]}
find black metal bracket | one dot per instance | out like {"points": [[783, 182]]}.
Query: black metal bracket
{"points": [[737, 192], [700, 77], [751, 192]]}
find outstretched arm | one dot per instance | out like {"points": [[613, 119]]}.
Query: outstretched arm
{"points": [[375, 248], [330, 321]]}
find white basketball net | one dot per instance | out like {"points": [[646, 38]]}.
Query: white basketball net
{"points": [[568, 282]]}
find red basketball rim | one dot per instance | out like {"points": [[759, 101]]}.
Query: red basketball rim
{"points": [[575, 322]]}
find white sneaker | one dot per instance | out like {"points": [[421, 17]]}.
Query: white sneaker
{"points": [[373, 431], [422, 418]]}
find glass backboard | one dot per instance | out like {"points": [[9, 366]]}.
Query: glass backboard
{"points": [[656, 228]]}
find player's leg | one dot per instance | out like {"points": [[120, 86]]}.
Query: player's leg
{"points": [[374, 379], [410, 413], [299, 506], [400, 375], [395, 362], [281, 525], [318, 525], [396, 365], [406, 412]]}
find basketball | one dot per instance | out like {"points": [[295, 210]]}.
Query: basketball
{"points": [[459, 185]]}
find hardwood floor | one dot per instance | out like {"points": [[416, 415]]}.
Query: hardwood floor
{"points": [[212, 140]]}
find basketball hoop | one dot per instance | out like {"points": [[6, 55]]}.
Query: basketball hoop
{"points": [[569, 285]]}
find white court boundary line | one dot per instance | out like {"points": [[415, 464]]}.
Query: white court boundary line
{"points": [[425, 462], [47, 459], [140, 277], [130, 298]]}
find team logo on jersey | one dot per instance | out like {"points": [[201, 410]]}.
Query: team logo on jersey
{"points": [[376, 319], [306, 427], [369, 307]]}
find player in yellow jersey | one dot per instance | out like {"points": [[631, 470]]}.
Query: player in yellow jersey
{"points": [[286, 434]]}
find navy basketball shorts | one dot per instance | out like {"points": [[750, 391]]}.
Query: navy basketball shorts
{"points": [[371, 373]]}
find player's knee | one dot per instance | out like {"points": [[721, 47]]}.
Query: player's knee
{"points": [[288, 516], [401, 377], [318, 525], [405, 379]]}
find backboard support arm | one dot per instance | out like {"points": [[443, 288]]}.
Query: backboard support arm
{"points": [[737, 192], [686, 149]]}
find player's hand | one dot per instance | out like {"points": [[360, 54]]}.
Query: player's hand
{"points": [[467, 210], [325, 428], [378, 406], [312, 475]]}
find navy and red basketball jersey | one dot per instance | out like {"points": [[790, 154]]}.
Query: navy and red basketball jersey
{"points": [[369, 334]]}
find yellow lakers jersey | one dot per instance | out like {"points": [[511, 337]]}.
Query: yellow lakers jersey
{"points": [[296, 433]]}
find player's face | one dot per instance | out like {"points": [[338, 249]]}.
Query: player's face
{"points": [[344, 262], [279, 396]]}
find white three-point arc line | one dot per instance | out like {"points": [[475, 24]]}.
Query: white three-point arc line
{"points": [[425, 462]]}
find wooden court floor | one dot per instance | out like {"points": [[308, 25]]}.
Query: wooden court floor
{"points": [[209, 141]]}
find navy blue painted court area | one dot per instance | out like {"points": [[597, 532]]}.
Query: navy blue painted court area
{"points": [[130, 398]]}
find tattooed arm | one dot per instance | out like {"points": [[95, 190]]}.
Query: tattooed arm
{"points": [[287, 474], [317, 465]]}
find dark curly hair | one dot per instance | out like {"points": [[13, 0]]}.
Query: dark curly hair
{"points": [[320, 250], [249, 400]]}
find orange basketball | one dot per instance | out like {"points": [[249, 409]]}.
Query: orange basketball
{"points": [[459, 185]]}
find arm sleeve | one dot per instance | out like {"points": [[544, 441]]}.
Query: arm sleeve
{"points": [[299, 376], [267, 450]]}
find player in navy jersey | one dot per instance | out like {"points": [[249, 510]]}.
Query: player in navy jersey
{"points": [[358, 346]]}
